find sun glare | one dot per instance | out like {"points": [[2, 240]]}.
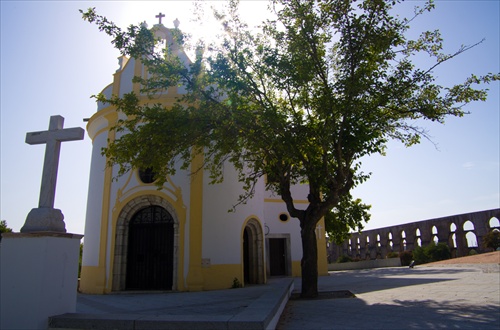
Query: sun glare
{"points": [[195, 17]]}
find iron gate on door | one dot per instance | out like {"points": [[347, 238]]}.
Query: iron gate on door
{"points": [[150, 250]]}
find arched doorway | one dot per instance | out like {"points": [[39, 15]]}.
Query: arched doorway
{"points": [[150, 256], [253, 254]]}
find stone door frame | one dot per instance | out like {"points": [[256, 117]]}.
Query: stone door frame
{"points": [[119, 272]]}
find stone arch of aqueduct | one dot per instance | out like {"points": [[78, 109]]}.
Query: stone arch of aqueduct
{"points": [[462, 233]]}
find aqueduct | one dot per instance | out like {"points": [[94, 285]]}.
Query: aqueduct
{"points": [[462, 233]]}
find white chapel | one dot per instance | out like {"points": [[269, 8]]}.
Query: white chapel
{"points": [[180, 237]]}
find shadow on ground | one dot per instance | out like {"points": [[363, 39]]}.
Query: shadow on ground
{"points": [[403, 314], [370, 280]]}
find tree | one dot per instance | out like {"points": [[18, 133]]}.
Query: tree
{"points": [[492, 239], [300, 101], [4, 228], [349, 214], [432, 252]]}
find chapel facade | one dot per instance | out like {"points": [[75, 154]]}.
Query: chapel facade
{"points": [[180, 237]]}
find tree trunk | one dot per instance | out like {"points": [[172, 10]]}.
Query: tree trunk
{"points": [[309, 263]]}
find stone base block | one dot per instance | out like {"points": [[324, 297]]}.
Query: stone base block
{"points": [[39, 278], [44, 219]]}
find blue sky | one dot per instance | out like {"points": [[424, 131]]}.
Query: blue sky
{"points": [[52, 62]]}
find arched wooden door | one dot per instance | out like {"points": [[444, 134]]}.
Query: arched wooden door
{"points": [[150, 258]]}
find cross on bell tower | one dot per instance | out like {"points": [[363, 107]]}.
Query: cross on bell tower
{"points": [[160, 16]]}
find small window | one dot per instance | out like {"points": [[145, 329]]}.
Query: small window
{"points": [[284, 217], [147, 175]]}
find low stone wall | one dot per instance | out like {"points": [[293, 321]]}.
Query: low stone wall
{"points": [[366, 264]]}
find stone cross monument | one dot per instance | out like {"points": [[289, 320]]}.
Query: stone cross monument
{"points": [[45, 217], [39, 265]]}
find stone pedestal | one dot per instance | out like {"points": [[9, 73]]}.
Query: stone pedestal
{"points": [[44, 219], [39, 278]]}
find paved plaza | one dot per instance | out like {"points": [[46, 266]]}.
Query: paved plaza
{"points": [[465, 296], [449, 296]]}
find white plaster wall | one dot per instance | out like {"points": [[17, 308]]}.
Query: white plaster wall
{"points": [[97, 126], [182, 179], [299, 192], [222, 230], [275, 206], [107, 91], [276, 226], [39, 276], [94, 203], [126, 84]]}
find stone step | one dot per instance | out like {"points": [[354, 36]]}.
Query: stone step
{"points": [[262, 313]]}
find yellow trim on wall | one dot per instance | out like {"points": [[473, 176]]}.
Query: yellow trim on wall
{"points": [[219, 277], [93, 278], [250, 217], [296, 268], [90, 280], [321, 242], [117, 79], [99, 275], [195, 280], [100, 272], [138, 70]]}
